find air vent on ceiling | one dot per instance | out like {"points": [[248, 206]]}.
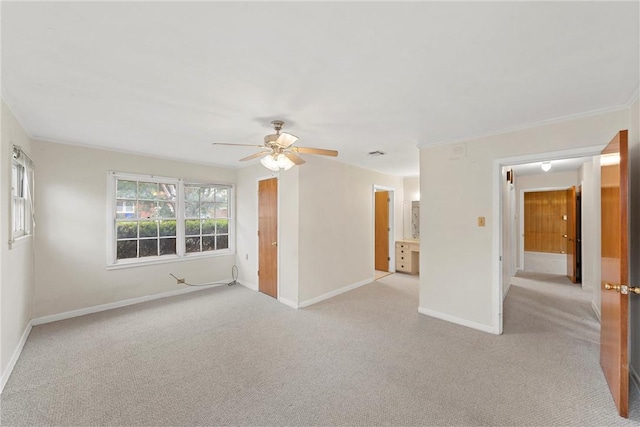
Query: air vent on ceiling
{"points": [[377, 153]]}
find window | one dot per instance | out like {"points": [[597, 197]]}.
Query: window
{"points": [[21, 195], [157, 219]]}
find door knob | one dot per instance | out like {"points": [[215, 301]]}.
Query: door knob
{"points": [[623, 289], [274, 243]]}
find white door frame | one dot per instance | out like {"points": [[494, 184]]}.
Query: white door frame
{"points": [[497, 247], [392, 245]]}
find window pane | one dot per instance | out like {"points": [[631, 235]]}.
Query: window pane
{"points": [[222, 195], [147, 209], [166, 210], [208, 226], [207, 210], [208, 243], [192, 194], [147, 190], [167, 246], [127, 189], [167, 192], [223, 226], [206, 194], [221, 210], [192, 244], [127, 249], [125, 209], [148, 229], [191, 210], [222, 242], [149, 247], [167, 228], [127, 230], [192, 227]]}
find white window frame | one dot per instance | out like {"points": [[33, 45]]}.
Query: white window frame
{"points": [[181, 255], [23, 233]]}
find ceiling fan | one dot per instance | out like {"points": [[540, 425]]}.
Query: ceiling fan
{"points": [[278, 151]]}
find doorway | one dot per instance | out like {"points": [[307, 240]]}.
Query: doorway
{"points": [[503, 248]]}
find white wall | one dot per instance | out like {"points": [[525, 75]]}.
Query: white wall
{"points": [[590, 172], [634, 237], [411, 193], [458, 255], [336, 208], [71, 241], [16, 264]]}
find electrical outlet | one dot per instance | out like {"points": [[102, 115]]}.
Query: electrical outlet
{"points": [[481, 221]]}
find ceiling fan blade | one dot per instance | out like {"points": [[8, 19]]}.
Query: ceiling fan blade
{"points": [[321, 151], [294, 158], [240, 145], [286, 139], [253, 156]]}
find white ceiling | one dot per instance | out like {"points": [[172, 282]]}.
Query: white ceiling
{"points": [[169, 78], [559, 165]]}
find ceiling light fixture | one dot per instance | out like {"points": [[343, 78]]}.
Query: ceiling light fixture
{"points": [[546, 166], [275, 162]]}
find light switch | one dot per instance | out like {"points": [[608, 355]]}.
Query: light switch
{"points": [[480, 221]]}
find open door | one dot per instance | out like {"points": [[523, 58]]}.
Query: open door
{"points": [[382, 230], [572, 259], [268, 237], [615, 278]]}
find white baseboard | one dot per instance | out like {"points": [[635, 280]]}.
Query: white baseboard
{"points": [[635, 379], [14, 358], [506, 291], [248, 285], [464, 322], [596, 311], [117, 304], [332, 294], [288, 302]]}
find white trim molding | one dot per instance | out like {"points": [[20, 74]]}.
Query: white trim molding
{"points": [[337, 292], [596, 311], [16, 355], [288, 302], [118, 304], [459, 321], [566, 118], [248, 285]]}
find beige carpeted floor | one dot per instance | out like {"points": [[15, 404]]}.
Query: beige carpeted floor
{"points": [[231, 356]]}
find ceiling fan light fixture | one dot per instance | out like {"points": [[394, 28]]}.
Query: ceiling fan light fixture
{"points": [[284, 162], [270, 163]]}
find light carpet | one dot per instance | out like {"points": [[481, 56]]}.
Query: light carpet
{"points": [[232, 356]]}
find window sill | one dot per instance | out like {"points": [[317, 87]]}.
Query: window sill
{"points": [[20, 241], [155, 261]]}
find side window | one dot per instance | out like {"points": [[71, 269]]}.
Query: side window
{"points": [[21, 195]]}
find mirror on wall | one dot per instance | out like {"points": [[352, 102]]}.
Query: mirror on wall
{"points": [[411, 229]]}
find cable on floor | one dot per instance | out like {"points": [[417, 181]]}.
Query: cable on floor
{"points": [[234, 279]]}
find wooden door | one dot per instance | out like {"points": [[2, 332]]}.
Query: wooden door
{"points": [[382, 230], [614, 261], [268, 237], [572, 251]]}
